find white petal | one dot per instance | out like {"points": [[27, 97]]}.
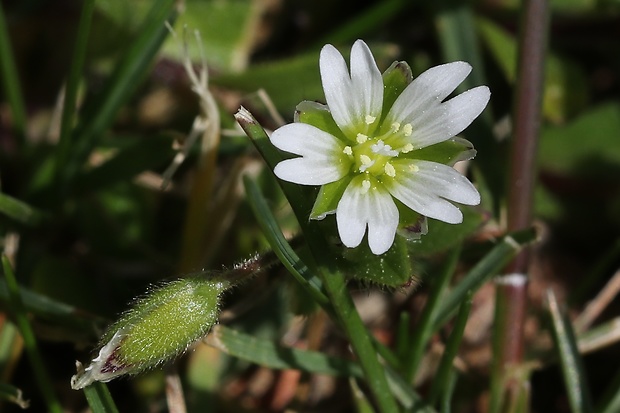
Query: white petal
{"points": [[367, 81], [322, 158], [306, 140], [448, 119], [428, 90], [375, 209], [306, 171], [429, 189], [351, 98]]}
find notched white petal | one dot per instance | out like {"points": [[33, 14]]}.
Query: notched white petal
{"points": [[306, 171], [429, 188], [362, 208], [306, 140], [428, 90], [353, 98], [450, 118]]}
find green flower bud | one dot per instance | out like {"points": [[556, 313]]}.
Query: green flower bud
{"points": [[158, 327]]}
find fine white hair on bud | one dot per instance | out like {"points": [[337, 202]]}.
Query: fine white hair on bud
{"points": [[157, 328]]}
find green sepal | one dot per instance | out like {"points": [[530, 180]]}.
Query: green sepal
{"points": [[328, 198], [447, 152], [395, 79], [318, 115]]}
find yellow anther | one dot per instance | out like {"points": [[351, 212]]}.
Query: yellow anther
{"points": [[407, 148], [365, 159], [347, 150], [413, 168], [361, 138], [365, 186], [407, 129], [389, 170], [370, 119], [395, 127]]}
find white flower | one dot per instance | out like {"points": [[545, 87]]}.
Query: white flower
{"points": [[372, 152]]}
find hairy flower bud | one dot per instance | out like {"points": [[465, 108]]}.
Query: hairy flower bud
{"points": [[158, 327]]}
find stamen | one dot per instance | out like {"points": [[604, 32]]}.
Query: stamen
{"points": [[395, 127], [413, 168], [407, 129], [389, 170], [366, 163], [361, 138], [347, 150], [365, 186], [407, 148], [370, 119]]}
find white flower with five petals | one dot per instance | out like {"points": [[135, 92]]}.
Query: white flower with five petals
{"points": [[371, 152]]}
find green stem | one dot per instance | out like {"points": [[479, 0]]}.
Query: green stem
{"points": [[334, 284], [30, 342], [333, 281], [10, 80]]}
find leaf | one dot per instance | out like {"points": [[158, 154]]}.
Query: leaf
{"points": [[99, 398], [19, 211], [227, 28]]}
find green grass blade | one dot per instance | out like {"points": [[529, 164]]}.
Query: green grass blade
{"points": [[99, 114], [56, 312], [442, 381], [610, 402], [30, 344], [425, 328], [99, 398], [486, 268], [10, 80], [19, 211], [570, 359], [269, 354], [71, 89]]}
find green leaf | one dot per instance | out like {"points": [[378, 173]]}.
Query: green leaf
{"points": [[269, 354], [227, 28], [19, 211], [570, 359], [318, 115], [586, 147]]}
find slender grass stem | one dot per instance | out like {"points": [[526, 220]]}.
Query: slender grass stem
{"points": [[30, 343]]}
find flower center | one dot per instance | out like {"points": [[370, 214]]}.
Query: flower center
{"points": [[372, 155]]}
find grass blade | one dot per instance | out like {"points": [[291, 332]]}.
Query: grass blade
{"points": [[570, 359], [99, 114], [486, 268], [444, 377], [30, 344]]}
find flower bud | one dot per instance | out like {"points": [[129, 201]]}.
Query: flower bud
{"points": [[158, 327]]}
